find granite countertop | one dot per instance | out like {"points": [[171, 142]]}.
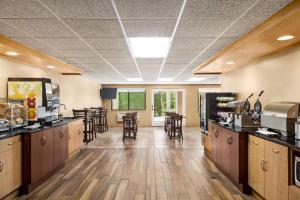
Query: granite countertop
{"points": [[19, 131], [288, 141]]}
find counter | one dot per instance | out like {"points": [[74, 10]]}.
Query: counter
{"points": [[290, 141], [19, 131]]}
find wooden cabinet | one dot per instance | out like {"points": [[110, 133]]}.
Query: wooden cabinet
{"points": [[41, 154], [294, 192], [75, 138], [229, 153], [60, 142], [268, 168], [256, 177], [206, 139], [276, 171], [10, 165]]}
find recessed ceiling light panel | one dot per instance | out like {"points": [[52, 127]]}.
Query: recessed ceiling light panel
{"points": [[50, 67], [285, 37], [230, 62], [149, 47], [11, 53], [165, 79], [134, 79], [196, 79]]}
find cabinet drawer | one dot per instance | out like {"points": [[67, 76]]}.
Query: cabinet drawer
{"points": [[8, 143]]}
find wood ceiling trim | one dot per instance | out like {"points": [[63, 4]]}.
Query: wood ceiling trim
{"points": [[33, 57], [258, 43]]}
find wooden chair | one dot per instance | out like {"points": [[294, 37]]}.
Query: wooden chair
{"points": [[175, 127], [97, 119], [129, 126], [168, 119], [103, 120]]}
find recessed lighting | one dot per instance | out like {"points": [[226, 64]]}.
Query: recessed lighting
{"points": [[285, 37], [134, 79], [230, 62], [50, 67], [149, 47], [196, 79], [165, 79], [11, 53]]}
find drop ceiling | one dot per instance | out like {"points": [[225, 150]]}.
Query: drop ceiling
{"points": [[92, 34]]}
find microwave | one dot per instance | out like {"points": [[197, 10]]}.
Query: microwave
{"points": [[297, 171]]}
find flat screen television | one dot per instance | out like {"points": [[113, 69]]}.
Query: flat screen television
{"points": [[108, 93]]}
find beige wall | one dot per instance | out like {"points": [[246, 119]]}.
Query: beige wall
{"points": [[191, 92], [76, 92], [278, 75]]}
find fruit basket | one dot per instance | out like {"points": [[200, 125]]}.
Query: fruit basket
{"points": [[13, 113]]}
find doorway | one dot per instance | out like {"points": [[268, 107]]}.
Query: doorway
{"points": [[166, 100]]}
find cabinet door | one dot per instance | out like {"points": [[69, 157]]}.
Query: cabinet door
{"points": [[60, 145], [71, 130], [10, 167], [41, 154], [230, 152], [216, 146], [207, 139], [79, 136], [276, 171], [256, 178]]}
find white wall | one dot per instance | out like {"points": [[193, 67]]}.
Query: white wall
{"points": [[76, 92]]}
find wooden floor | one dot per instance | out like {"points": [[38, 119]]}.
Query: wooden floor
{"points": [[152, 167]]}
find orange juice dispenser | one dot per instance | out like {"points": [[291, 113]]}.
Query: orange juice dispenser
{"points": [[37, 91]]}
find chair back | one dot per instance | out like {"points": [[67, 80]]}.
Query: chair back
{"points": [[176, 121], [79, 113], [128, 121]]}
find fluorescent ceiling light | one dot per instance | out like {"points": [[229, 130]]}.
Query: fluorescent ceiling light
{"points": [[285, 37], [134, 79], [196, 79], [230, 62], [11, 53], [50, 67], [149, 47], [165, 79]]}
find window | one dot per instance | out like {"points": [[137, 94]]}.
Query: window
{"points": [[129, 99]]}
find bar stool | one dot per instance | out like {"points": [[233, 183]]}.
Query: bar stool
{"points": [[129, 123], [175, 127], [88, 123], [97, 119], [103, 120], [134, 115]]}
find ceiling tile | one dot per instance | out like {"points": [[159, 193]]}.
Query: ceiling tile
{"points": [[52, 53], [41, 27], [78, 53], [115, 53], [182, 53], [120, 60], [95, 28], [173, 66], [145, 9], [107, 43], [241, 27], [23, 9], [215, 9], [148, 66], [202, 28], [149, 28], [9, 31], [178, 60], [208, 53], [78, 9], [222, 42], [64, 43], [191, 43], [31, 42], [85, 60]]}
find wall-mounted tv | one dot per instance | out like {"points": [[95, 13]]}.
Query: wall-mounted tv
{"points": [[108, 93]]}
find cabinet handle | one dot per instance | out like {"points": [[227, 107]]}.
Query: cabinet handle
{"points": [[264, 165], [229, 140], [275, 151], [1, 165], [216, 133], [79, 132], [11, 143], [61, 134], [43, 140], [254, 142]]}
